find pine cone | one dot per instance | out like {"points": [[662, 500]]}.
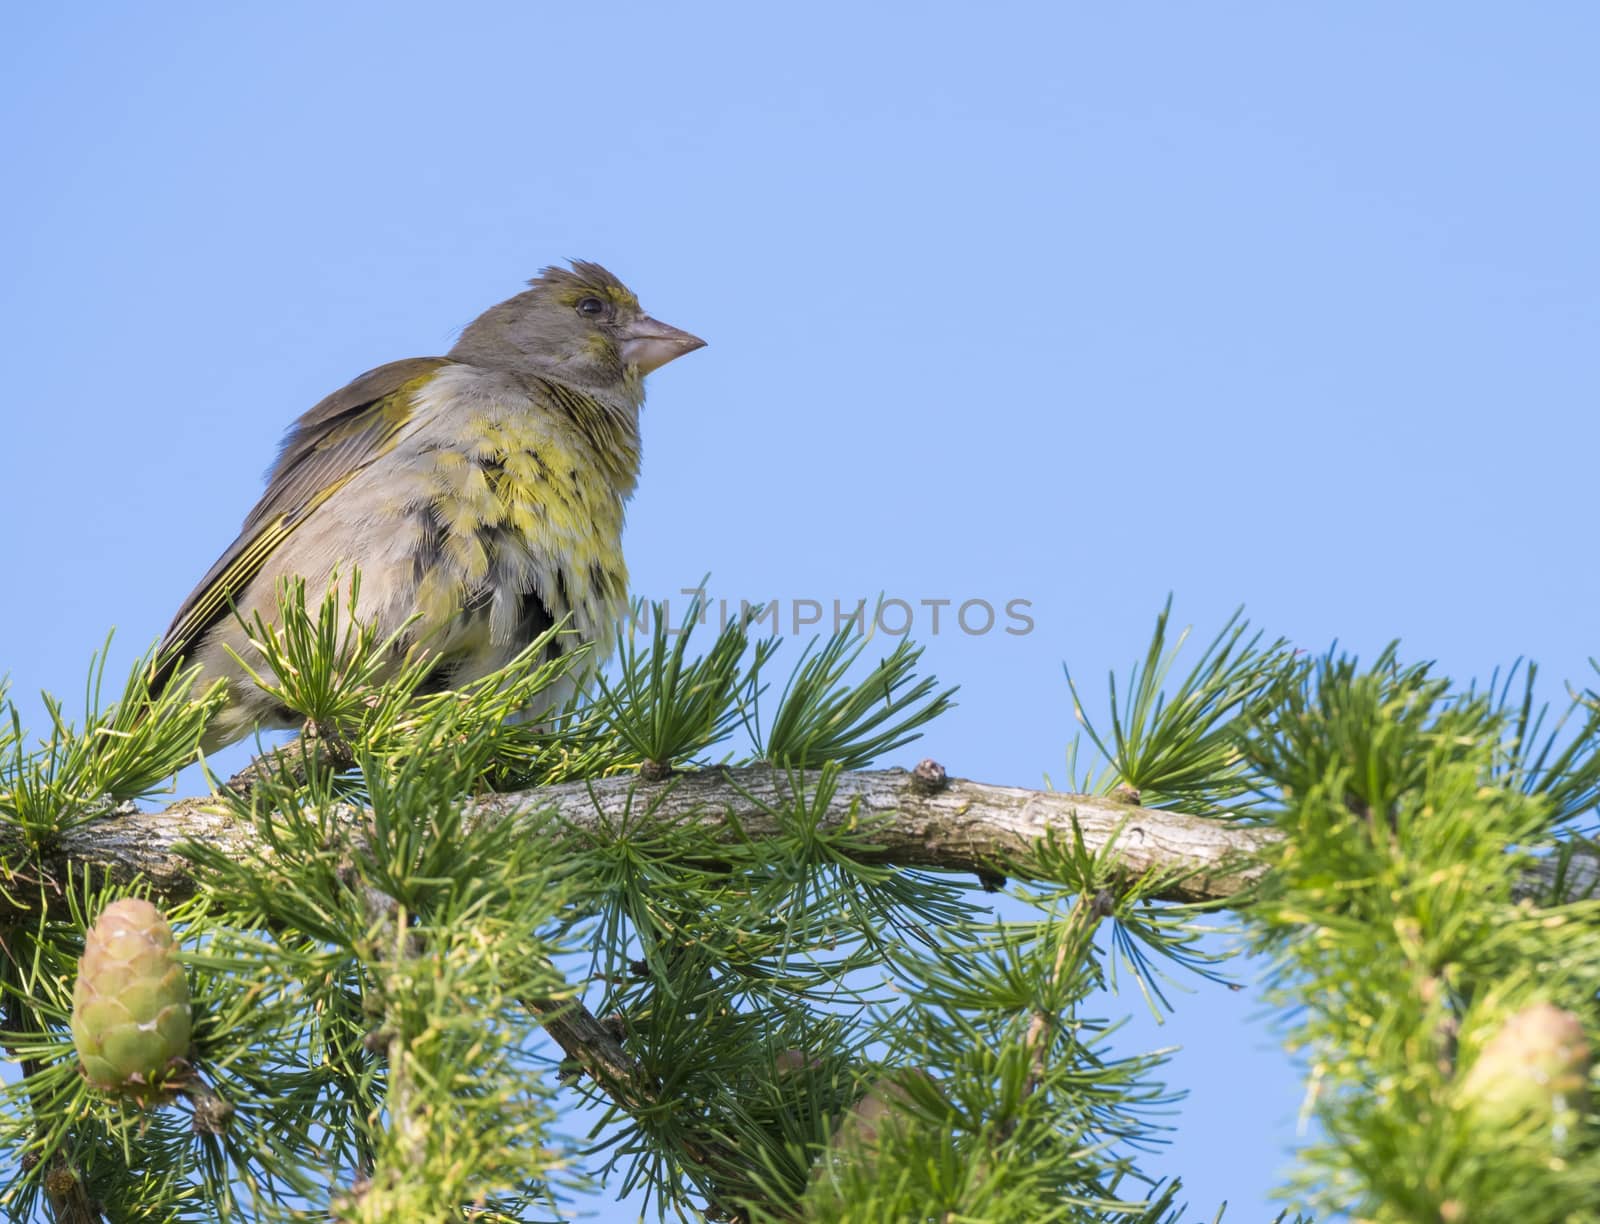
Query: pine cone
{"points": [[1536, 1067], [130, 1009]]}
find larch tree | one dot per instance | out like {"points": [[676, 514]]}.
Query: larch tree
{"points": [[437, 960]]}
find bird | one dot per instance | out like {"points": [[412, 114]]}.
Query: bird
{"points": [[480, 495]]}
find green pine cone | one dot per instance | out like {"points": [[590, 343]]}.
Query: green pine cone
{"points": [[130, 1009], [1535, 1068], [886, 1107]]}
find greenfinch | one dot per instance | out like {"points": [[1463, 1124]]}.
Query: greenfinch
{"points": [[479, 494]]}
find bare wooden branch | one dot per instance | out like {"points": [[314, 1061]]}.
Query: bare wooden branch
{"points": [[959, 825]]}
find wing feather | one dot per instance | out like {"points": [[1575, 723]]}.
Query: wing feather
{"points": [[323, 450]]}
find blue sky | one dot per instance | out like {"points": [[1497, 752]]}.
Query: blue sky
{"points": [[1287, 306]]}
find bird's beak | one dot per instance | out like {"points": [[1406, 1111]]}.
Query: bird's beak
{"points": [[650, 344]]}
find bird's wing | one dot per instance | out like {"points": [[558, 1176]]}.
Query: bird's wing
{"points": [[323, 450]]}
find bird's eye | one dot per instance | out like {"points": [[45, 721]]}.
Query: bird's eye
{"points": [[591, 306]]}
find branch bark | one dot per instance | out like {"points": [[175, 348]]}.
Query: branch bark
{"points": [[918, 819], [952, 824]]}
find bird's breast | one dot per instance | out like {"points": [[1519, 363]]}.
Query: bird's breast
{"points": [[517, 524]]}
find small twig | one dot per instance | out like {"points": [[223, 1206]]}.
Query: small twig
{"points": [[594, 1045], [1087, 913], [316, 745], [67, 1195], [212, 1111]]}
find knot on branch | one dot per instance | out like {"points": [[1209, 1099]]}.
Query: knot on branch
{"points": [[929, 777]]}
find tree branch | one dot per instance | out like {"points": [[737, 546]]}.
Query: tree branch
{"points": [[919, 819], [916, 821]]}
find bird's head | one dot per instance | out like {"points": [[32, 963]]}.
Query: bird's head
{"points": [[581, 325]]}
